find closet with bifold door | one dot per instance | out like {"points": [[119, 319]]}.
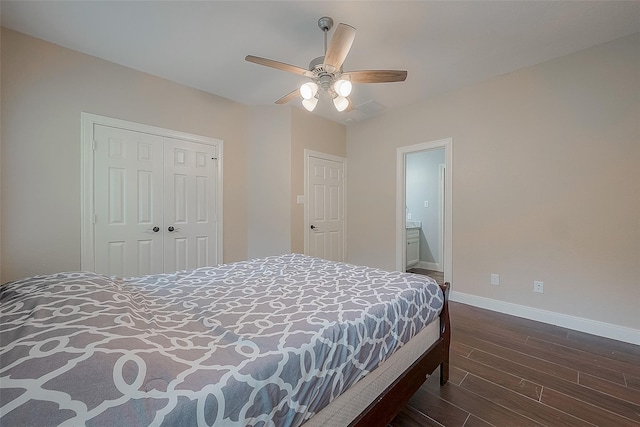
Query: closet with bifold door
{"points": [[155, 202]]}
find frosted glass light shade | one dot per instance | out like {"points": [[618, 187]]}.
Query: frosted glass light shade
{"points": [[308, 90], [342, 87], [310, 104], [341, 103]]}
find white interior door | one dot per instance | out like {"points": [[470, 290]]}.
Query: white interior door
{"points": [[128, 202], [190, 171], [325, 207]]}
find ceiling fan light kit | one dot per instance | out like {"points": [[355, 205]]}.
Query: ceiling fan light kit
{"points": [[308, 90], [326, 72], [341, 103], [343, 87], [310, 104]]}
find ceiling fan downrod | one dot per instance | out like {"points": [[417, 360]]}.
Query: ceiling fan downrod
{"points": [[325, 23]]}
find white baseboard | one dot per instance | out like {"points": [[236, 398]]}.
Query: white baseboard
{"points": [[594, 327]]}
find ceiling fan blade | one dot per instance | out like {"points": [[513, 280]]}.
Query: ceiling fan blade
{"points": [[277, 65], [376, 76], [288, 97], [339, 46], [350, 107]]}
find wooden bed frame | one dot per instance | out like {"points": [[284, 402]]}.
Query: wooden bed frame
{"points": [[392, 400]]}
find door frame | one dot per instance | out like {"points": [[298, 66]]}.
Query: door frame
{"points": [[310, 153], [442, 180], [401, 234], [87, 211]]}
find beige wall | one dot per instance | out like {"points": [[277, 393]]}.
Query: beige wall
{"points": [[546, 183], [269, 183], [309, 132], [44, 89], [277, 139]]}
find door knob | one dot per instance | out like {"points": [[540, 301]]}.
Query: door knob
{"points": [[313, 227], [156, 229], [170, 228]]}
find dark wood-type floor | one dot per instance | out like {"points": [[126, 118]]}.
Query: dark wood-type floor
{"points": [[509, 371]]}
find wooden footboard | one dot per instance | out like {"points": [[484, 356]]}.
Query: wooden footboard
{"points": [[445, 334], [393, 399]]}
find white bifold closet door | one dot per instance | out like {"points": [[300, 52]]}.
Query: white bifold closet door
{"points": [[155, 203]]}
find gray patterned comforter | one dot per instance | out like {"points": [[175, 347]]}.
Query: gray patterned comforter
{"points": [[263, 342]]}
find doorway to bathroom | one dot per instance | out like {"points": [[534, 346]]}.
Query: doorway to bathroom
{"points": [[424, 208]]}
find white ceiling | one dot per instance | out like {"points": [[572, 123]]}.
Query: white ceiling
{"points": [[443, 45]]}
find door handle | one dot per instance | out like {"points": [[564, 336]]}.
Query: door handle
{"points": [[170, 228], [313, 227], [156, 229]]}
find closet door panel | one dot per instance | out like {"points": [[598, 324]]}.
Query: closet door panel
{"points": [[190, 171], [128, 171]]}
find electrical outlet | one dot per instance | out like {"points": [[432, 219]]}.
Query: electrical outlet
{"points": [[495, 279], [538, 286]]}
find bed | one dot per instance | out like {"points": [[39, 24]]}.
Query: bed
{"points": [[278, 341]]}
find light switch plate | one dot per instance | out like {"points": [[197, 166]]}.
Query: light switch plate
{"points": [[300, 199], [495, 279]]}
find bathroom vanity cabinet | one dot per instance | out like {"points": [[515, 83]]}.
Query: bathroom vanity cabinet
{"points": [[413, 246]]}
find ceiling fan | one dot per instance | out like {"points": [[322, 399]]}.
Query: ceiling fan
{"points": [[326, 72]]}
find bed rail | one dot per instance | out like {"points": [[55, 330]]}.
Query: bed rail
{"points": [[393, 399]]}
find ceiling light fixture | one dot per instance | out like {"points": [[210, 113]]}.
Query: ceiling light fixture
{"points": [[337, 90], [308, 90], [326, 72], [341, 103], [310, 104], [342, 87]]}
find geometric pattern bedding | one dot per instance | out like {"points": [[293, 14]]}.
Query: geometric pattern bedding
{"points": [[265, 342]]}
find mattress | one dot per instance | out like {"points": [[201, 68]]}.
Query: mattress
{"points": [[270, 341], [346, 407]]}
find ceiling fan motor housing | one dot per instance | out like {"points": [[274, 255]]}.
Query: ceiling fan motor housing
{"points": [[317, 67], [322, 76]]}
